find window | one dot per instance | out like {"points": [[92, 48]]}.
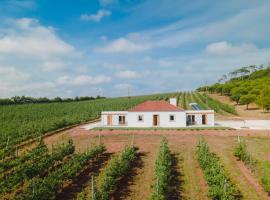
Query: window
{"points": [[122, 119], [171, 117], [140, 118]]}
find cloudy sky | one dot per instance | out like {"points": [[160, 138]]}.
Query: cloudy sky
{"points": [[73, 48]]}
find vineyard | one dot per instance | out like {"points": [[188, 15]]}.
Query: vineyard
{"points": [[139, 167], [168, 164], [22, 122]]}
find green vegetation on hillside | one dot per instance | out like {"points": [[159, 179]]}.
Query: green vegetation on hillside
{"points": [[244, 86], [25, 100], [22, 122]]}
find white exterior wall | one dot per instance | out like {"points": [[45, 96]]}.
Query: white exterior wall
{"points": [[115, 117], [198, 116], [164, 119]]}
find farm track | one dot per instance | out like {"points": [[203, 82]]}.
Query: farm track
{"points": [[240, 175], [137, 189], [192, 184], [123, 189]]}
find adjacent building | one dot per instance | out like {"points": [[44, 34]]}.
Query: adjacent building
{"points": [[158, 114]]}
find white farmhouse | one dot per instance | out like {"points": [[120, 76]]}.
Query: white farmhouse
{"points": [[157, 114]]}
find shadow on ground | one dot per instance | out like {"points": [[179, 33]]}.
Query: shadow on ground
{"points": [[122, 190], [177, 180], [71, 190]]}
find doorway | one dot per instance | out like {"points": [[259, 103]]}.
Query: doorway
{"points": [[191, 120], [109, 120], [155, 120], [204, 119]]}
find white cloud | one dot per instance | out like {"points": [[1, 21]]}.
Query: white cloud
{"points": [[123, 45], [96, 17], [107, 2], [15, 82], [83, 80], [29, 38], [128, 74], [122, 86], [225, 48], [53, 65], [11, 74]]}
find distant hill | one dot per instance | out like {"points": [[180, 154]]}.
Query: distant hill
{"points": [[244, 86]]}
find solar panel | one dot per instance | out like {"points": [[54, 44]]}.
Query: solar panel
{"points": [[194, 106]]}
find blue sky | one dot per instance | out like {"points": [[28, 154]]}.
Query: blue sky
{"points": [[73, 48]]}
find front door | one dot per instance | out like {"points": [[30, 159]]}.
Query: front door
{"points": [[155, 120], [109, 120]]}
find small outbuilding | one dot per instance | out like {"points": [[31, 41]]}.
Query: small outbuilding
{"points": [[157, 114]]}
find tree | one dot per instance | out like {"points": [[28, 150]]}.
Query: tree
{"points": [[236, 94], [247, 99], [263, 99]]}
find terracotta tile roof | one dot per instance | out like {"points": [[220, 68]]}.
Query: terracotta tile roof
{"points": [[154, 106]]}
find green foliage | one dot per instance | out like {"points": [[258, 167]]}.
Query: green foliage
{"points": [[37, 151], [45, 188], [220, 185], [184, 101], [163, 173], [247, 99], [82, 196], [117, 167], [241, 153], [217, 106], [247, 85], [36, 166], [263, 99], [266, 183], [22, 122]]}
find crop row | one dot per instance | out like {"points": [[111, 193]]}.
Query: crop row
{"points": [[163, 173], [36, 167], [46, 187], [117, 167], [241, 152], [217, 106], [220, 185], [10, 163]]}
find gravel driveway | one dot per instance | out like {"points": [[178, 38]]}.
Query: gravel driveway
{"points": [[246, 124]]}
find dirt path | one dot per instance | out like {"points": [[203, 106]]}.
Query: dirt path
{"points": [[140, 187], [252, 180], [241, 176], [193, 185]]}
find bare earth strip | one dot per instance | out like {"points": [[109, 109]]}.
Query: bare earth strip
{"points": [[240, 175], [193, 185], [183, 146], [140, 187]]}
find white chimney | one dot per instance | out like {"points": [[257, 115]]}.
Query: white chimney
{"points": [[173, 101]]}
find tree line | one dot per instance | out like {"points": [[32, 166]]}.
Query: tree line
{"points": [[26, 100], [245, 86]]}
